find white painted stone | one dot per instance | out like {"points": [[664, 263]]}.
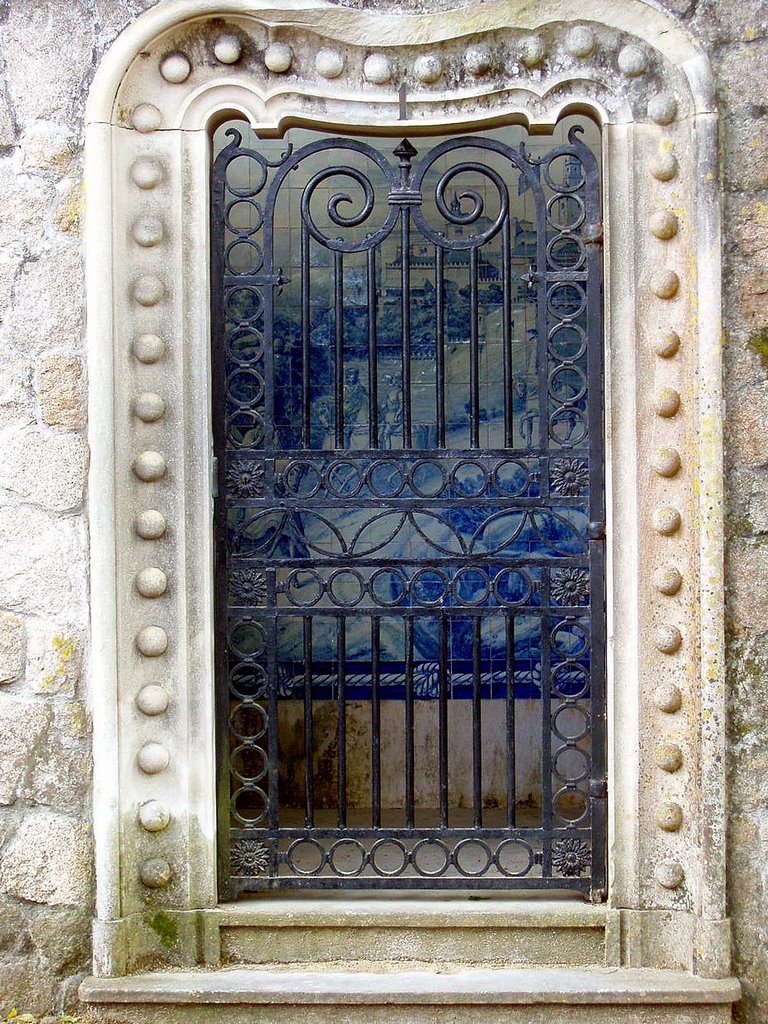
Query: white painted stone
{"points": [[478, 59], [633, 60], [152, 641], [670, 874], [668, 698], [666, 344], [580, 41], [428, 68], [150, 524], [48, 860], [151, 582], [150, 466], [228, 49], [153, 758], [666, 462], [154, 816], [148, 348], [148, 290], [149, 407], [669, 816], [666, 403], [662, 108], [532, 51], [11, 648], [667, 580], [152, 699], [329, 63], [148, 230], [24, 724], [278, 57], [664, 166], [175, 68], [669, 757], [377, 68], [146, 117], [147, 172], [46, 469], [664, 224], [665, 284], [156, 873], [666, 521]]}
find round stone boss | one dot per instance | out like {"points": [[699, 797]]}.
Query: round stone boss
{"points": [[377, 68], [664, 166], [148, 231], [146, 117], [152, 641], [175, 68], [666, 521], [150, 524], [152, 699], [149, 407], [150, 466], [668, 698], [669, 757], [154, 816], [148, 290], [146, 172], [153, 758], [669, 816], [228, 48], [329, 63], [278, 57], [151, 582], [148, 348], [670, 874], [667, 580], [156, 873]]}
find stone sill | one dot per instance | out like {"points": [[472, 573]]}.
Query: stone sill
{"points": [[526, 987], [446, 911]]}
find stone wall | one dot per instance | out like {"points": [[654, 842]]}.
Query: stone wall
{"points": [[50, 49]]}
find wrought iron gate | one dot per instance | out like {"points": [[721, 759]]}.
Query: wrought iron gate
{"points": [[407, 363]]}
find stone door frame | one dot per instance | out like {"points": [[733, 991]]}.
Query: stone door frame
{"points": [[176, 71]]}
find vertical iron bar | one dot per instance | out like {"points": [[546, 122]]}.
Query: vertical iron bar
{"points": [[474, 355], [272, 733], [442, 625], [309, 796], [546, 724], [306, 388], [341, 654], [440, 343], [405, 305], [506, 329], [409, 724], [511, 739], [338, 306], [373, 355], [477, 735], [376, 720]]}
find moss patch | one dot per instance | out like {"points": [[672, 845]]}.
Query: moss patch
{"points": [[758, 342], [164, 927]]}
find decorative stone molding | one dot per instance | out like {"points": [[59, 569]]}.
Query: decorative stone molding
{"points": [[175, 73]]}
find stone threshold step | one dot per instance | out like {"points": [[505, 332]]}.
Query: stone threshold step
{"points": [[526, 987], [404, 913]]}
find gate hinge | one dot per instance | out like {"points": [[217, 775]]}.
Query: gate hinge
{"points": [[598, 789], [593, 234], [214, 477], [596, 530]]}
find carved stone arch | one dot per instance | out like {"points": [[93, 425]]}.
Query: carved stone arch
{"points": [[172, 74]]}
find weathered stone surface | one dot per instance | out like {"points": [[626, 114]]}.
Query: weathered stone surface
{"points": [[747, 426], [48, 860], [48, 147], [11, 648], [7, 125], [68, 216], [741, 74], [44, 469], [54, 658], [747, 570], [746, 168], [61, 938], [61, 391], [26, 202], [24, 724], [14, 933], [38, 78], [57, 323], [42, 571]]}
